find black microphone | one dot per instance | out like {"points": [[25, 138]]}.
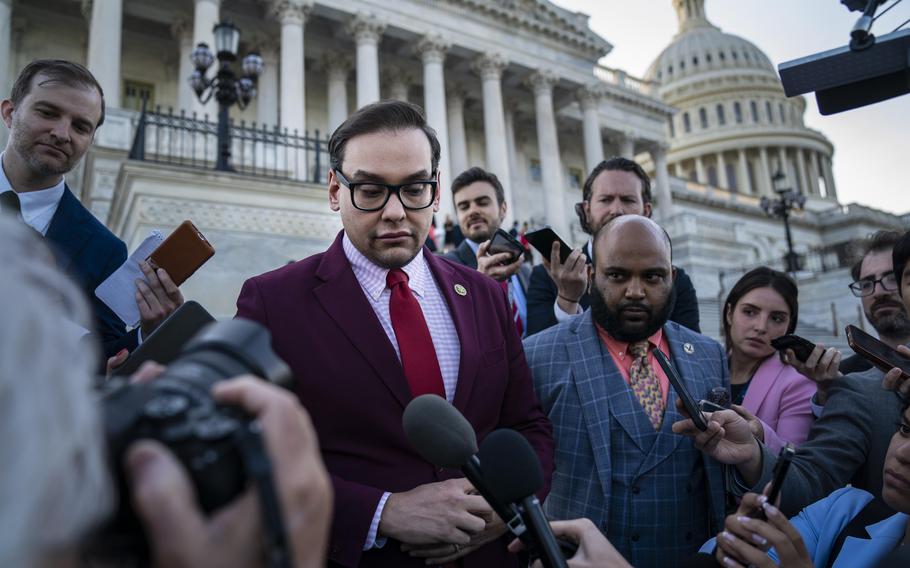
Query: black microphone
{"points": [[445, 438], [513, 474]]}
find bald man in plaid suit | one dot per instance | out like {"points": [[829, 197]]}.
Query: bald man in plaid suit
{"points": [[618, 463]]}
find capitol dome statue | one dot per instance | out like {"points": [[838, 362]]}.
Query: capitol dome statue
{"points": [[734, 128]]}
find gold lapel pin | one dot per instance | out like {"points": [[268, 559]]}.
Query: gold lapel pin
{"points": [[461, 290], [688, 348]]}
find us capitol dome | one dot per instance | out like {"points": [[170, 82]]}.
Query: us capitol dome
{"points": [[734, 128]]}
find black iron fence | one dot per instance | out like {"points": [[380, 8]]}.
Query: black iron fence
{"points": [[258, 150]]}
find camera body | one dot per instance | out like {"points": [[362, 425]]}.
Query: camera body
{"points": [[178, 411]]}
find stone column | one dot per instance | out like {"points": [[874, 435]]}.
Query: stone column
{"points": [[783, 167], [337, 68], [548, 147], [432, 50], [399, 83], [813, 174], [662, 179], [518, 194], [722, 180], [183, 33], [589, 100], [764, 173], [627, 145], [801, 171], [829, 176], [292, 105], [745, 186], [700, 175], [205, 16], [104, 39], [269, 85], [490, 67], [458, 145], [367, 31]]}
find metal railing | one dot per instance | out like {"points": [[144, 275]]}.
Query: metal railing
{"points": [[257, 150]]}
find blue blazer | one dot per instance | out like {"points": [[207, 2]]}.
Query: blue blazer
{"points": [[89, 252], [821, 522], [572, 373]]}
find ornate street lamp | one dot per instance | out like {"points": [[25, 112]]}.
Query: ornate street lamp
{"points": [[788, 200], [226, 87]]}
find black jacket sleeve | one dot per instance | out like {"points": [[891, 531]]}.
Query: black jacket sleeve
{"points": [[541, 297], [685, 310]]}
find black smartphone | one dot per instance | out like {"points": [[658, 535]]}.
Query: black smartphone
{"points": [[883, 357], [504, 242], [802, 348], [708, 406], [542, 239], [784, 459], [691, 406]]}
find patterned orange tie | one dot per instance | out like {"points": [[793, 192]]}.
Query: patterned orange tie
{"points": [[645, 384]]}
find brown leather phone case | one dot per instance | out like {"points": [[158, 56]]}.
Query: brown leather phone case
{"points": [[182, 252]]}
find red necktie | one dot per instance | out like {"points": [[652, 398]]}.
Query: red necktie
{"points": [[516, 316], [418, 356]]}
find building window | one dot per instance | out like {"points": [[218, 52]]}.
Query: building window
{"points": [[734, 54], [768, 111], [672, 127], [703, 117], [682, 64], [708, 57], [694, 60], [722, 55], [754, 107], [687, 124], [575, 180], [712, 176], [783, 114], [738, 112], [670, 70], [721, 116], [535, 170], [746, 55], [731, 178], [134, 92]]}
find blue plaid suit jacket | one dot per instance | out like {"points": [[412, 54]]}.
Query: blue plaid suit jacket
{"points": [[571, 370]]}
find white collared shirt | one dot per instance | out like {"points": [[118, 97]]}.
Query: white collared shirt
{"points": [[516, 291], [38, 207], [372, 280]]}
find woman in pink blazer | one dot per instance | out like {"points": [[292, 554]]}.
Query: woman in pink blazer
{"points": [[763, 306]]}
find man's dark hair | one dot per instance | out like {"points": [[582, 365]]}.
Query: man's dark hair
{"points": [[379, 117], [476, 174], [55, 71], [618, 163], [761, 277], [879, 241], [899, 256]]}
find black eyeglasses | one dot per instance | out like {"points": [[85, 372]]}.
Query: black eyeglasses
{"points": [[866, 286], [373, 196]]}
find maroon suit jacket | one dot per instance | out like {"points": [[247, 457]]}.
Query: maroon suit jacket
{"points": [[351, 382]]}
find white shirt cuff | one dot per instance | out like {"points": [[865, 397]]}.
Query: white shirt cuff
{"points": [[562, 315], [817, 408], [372, 541]]}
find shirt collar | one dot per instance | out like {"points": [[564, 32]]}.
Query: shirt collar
{"points": [[616, 346], [474, 246], [33, 202], [372, 277]]}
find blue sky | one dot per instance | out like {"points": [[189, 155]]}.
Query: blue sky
{"points": [[871, 159]]}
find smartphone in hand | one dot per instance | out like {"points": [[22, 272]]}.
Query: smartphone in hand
{"points": [[542, 239], [882, 356], [784, 459], [504, 242], [802, 348], [691, 406]]}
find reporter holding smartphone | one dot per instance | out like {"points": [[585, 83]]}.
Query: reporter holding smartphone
{"points": [[481, 207]]}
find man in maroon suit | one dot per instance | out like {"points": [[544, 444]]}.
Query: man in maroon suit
{"points": [[376, 320]]}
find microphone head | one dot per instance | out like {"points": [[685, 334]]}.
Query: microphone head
{"points": [[510, 466], [439, 433]]}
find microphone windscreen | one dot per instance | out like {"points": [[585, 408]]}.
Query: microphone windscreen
{"points": [[439, 433], [510, 466]]}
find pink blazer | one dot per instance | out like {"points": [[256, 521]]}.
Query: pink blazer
{"points": [[780, 397]]}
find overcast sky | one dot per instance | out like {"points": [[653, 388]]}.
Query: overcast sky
{"points": [[871, 150]]}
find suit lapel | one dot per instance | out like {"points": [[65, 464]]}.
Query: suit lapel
{"points": [[765, 377], [467, 256], [68, 231], [345, 302], [884, 537], [462, 310]]}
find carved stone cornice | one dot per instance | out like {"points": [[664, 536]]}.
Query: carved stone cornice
{"points": [[432, 48], [291, 11], [456, 96], [490, 66], [182, 28], [542, 82], [366, 28], [336, 66]]}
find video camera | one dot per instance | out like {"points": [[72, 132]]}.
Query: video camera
{"points": [[220, 446]]}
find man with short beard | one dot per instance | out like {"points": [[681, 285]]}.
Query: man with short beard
{"points": [[618, 462], [874, 282]]}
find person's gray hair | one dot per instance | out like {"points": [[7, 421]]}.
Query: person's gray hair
{"points": [[55, 485]]}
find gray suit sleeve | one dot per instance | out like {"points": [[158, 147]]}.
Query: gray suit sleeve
{"points": [[837, 448]]}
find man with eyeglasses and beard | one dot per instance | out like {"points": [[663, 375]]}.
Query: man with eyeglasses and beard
{"points": [[875, 283], [618, 462]]}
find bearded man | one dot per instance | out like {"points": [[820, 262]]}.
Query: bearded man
{"points": [[618, 463]]}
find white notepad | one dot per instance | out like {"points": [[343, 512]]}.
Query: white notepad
{"points": [[119, 290]]}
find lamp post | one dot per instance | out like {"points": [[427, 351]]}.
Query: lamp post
{"points": [[226, 87], [787, 201]]}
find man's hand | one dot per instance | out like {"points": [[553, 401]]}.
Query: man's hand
{"points": [[497, 266], [571, 277], [728, 439], [181, 535], [443, 512], [822, 368], [895, 380], [157, 298], [116, 361], [442, 553], [755, 425], [594, 550]]}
